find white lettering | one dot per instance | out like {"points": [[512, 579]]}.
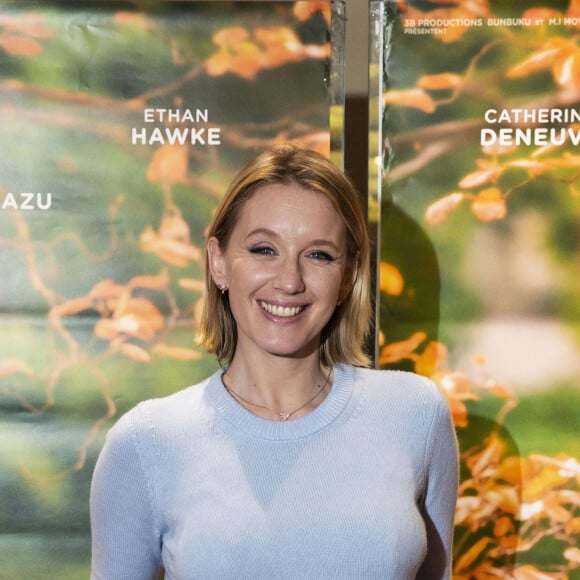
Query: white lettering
{"points": [[214, 136], [138, 135], [539, 137], [26, 201], [490, 116], [176, 115], [9, 202], [161, 136]]}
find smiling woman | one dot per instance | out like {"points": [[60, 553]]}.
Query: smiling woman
{"points": [[287, 267], [294, 460], [301, 173]]}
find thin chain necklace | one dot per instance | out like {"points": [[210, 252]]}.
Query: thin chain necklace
{"points": [[284, 415]]}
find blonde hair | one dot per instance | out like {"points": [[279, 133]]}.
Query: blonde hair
{"points": [[343, 337]]}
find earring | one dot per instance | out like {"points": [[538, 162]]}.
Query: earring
{"points": [[223, 288]]}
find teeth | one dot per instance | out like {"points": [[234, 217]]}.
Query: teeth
{"points": [[284, 311]]}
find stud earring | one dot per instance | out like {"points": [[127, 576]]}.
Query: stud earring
{"points": [[223, 288]]}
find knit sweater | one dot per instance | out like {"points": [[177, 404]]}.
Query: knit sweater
{"points": [[363, 487]]}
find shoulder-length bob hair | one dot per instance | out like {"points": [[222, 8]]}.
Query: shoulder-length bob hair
{"points": [[343, 337]]}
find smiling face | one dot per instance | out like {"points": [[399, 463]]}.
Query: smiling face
{"points": [[286, 268]]}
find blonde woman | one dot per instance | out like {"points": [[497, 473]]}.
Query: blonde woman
{"points": [[294, 460]]}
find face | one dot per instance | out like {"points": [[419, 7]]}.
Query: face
{"points": [[286, 268]]}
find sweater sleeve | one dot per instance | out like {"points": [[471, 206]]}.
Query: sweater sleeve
{"points": [[125, 541], [440, 497]]}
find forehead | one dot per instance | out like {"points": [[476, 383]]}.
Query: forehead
{"points": [[287, 202]]}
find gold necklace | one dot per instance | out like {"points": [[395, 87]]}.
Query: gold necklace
{"points": [[284, 415]]}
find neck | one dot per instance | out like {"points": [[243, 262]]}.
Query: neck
{"points": [[277, 383]]}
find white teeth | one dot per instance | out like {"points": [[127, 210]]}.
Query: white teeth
{"points": [[284, 311]]}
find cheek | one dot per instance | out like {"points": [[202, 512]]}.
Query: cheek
{"points": [[327, 285], [248, 275]]}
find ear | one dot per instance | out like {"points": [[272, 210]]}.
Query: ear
{"points": [[216, 262]]}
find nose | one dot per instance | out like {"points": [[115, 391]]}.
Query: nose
{"points": [[289, 276]]}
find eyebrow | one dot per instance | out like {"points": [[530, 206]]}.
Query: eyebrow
{"points": [[270, 233]]}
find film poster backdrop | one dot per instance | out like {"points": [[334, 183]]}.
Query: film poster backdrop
{"points": [[121, 129], [479, 216]]}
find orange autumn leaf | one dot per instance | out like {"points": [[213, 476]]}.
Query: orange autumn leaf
{"points": [[515, 469], [498, 389], [487, 172], [169, 164], [505, 498], [539, 60], [490, 455], [243, 60], [529, 572], [573, 526], [304, 10], [502, 526], [404, 349], [459, 413], [414, 98], [465, 507], [509, 542], [470, 555], [567, 70], [20, 46], [489, 205], [439, 82], [390, 279], [537, 486], [136, 317], [279, 44], [556, 512], [238, 54], [438, 211], [534, 168], [431, 358], [457, 385], [171, 243], [140, 318], [573, 9], [230, 37], [174, 252]]}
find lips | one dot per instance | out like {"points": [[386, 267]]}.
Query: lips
{"points": [[281, 311]]}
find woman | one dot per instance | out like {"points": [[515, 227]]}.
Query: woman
{"points": [[293, 460]]}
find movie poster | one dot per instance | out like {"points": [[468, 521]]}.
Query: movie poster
{"points": [[121, 125], [475, 189]]}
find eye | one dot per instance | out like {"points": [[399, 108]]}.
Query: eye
{"points": [[262, 250], [321, 255]]}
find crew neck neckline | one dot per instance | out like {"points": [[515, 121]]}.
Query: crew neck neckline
{"points": [[235, 416]]}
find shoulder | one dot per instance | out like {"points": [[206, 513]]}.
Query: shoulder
{"points": [[402, 396], [404, 384], [149, 420]]}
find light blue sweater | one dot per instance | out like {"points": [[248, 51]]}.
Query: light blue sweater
{"points": [[364, 487]]}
